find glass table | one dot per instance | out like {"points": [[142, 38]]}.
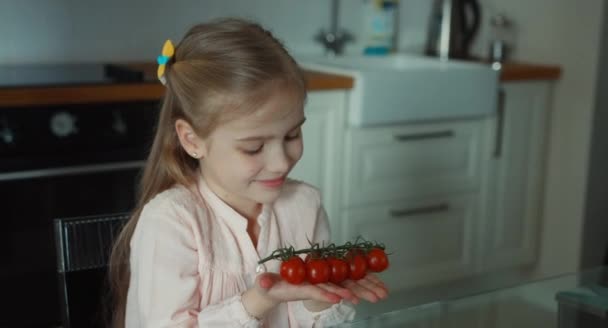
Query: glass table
{"points": [[566, 301]]}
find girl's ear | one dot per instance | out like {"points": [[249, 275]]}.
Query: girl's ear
{"points": [[190, 141]]}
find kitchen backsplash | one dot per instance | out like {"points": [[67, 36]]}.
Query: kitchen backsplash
{"points": [[92, 30]]}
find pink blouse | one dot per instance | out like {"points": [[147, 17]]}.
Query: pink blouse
{"points": [[192, 258]]}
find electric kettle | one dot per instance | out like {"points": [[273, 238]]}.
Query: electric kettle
{"points": [[452, 27]]}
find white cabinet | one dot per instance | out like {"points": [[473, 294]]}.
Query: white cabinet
{"points": [[430, 238], [513, 181], [448, 198], [323, 135], [415, 188], [388, 163]]}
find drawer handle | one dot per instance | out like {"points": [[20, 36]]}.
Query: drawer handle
{"points": [[500, 124], [423, 136], [443, 207]]}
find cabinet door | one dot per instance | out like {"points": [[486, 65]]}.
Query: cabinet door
{"points": [[514, 178], [388, 163], [431, 239], [323, 133]]}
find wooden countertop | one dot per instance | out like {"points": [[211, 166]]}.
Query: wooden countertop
{"points": [[123, 92], [511, 71], [18, 97], [519, 71]]}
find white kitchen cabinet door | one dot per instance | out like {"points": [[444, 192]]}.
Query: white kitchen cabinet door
{"points": [[430, 239], [323, 135], [513, 186], [396, 162]]}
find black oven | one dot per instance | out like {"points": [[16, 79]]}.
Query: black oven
{"points": [[60, 161]]}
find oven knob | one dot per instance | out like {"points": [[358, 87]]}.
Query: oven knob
{"points": [[63, 124], [7, 136], [119, 124]]}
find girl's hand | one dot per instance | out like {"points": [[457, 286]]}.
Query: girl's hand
{"points": [[270, 289], [370, 288], [272, 286]]}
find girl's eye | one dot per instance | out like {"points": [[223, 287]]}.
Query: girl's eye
{"points": [[292, 136], [253, 151]]}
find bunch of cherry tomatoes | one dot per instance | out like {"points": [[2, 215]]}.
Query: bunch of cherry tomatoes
{"points": [[330, 264]]}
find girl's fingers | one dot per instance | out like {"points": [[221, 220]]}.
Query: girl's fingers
{"points": [[379, 291], [370, 288], [361, 291], [314, 292], [267, 280], [376, 280], [272, 285], [341, 291]]}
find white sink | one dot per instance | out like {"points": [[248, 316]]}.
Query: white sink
{"points": [[403, 88]]}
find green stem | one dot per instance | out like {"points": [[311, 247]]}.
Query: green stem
{"points": [[348, 246]]}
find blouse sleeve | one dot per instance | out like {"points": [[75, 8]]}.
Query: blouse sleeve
{"points": [[337, 313], [164, 289]]}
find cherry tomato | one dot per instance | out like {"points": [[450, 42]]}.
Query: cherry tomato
{"points": [[293, 270], [317, 271], [377, 261], [357, 264], [339, 270]]}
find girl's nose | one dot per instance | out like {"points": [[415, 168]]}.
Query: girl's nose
{"points": [[279, 161]]}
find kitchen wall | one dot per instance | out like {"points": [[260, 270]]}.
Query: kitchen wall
{"points": [[92, 30], [560, 32]]}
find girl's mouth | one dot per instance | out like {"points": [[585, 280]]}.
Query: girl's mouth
{"points": [[274, 183]]}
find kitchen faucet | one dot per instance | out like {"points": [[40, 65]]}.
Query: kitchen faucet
{"points": [[334, 39]]}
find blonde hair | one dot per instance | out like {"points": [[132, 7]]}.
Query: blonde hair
{"points": [[220, 70]]}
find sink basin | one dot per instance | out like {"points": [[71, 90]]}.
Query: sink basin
{"points": [[403, 88]]}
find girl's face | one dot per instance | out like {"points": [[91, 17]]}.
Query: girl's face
{"points": [[245, 161]]}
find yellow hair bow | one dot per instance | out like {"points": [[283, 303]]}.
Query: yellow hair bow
{"points": [[162, 60]]}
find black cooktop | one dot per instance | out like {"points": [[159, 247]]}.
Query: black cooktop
{"points": [[51, 75]]}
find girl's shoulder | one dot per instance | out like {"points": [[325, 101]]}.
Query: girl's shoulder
{"points": [[174, 216], [178, 194], [178, 202], [299, 192]]}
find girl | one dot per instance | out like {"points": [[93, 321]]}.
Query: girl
{"points": [[215, 197]]}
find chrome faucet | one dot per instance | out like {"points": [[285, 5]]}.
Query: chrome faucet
{"points": [[334, 39]]}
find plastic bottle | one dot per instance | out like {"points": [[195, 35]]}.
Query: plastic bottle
{"points": [[380, 25]]}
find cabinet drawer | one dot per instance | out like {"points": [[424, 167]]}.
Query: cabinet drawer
{"points": [[431, 239], [408, 161]]}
